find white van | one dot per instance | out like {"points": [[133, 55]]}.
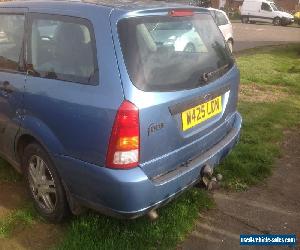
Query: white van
{"points": [[264, 11]]}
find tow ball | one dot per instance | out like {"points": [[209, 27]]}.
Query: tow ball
{"points": [[208, 179]]}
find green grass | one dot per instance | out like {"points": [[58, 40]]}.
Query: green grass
{"points": [[20, 217], [176, 220], [280, 67], [264, 123]]}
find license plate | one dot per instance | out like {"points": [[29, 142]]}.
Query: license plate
{"points": [[201, 113]]}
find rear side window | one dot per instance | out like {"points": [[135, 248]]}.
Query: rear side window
{"points": [[11, 39], [221, 18], [164, 53], [62, 48]]}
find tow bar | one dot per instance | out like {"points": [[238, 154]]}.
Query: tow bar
{"points": [[210, 181]]}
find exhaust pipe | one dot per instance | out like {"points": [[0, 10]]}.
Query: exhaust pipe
{"points": [[153, 215]]}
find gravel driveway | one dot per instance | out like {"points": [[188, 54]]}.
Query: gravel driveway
{"points": [[254, 35]]}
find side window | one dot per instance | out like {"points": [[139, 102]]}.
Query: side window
{"points": [[11, 39], [221, 18], [266, 7], [62, 48]]}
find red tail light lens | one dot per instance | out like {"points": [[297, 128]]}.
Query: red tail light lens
{"points": [[179, 13], [124, 143]]}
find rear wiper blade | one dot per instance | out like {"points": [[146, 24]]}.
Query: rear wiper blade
{"points": [[207, 76]]}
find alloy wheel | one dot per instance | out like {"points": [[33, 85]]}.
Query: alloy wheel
{"points": [[42, 184]]}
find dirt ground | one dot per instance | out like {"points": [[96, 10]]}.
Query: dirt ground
{"points": [[256, 94], [271, 207], [12, 195], [38, 236]]}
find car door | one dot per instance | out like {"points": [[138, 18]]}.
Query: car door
{"points": [[265, 13], [12, 76]]}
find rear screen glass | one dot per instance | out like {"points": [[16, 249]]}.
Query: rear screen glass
{"points": [[164, 53]]}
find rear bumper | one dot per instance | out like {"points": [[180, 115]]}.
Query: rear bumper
{"points": [[130, 193]]}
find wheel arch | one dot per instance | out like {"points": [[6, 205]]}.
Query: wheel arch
{"points": [[21, 144], [34, 130]]}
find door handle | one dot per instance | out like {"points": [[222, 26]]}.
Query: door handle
{"points": [[5, 87]]}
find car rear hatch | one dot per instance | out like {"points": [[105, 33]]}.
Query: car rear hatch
{"points": [[175, 67]]}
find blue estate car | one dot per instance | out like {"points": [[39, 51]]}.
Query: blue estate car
{"points": [[113, 106]]}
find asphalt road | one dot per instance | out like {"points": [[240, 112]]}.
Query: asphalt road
{"points": [[249, 36]]}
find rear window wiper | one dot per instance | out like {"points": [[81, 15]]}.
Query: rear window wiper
{"points": [[208, 76]]}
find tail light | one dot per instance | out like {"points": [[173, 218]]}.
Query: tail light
{"points": [[124, 143], [181, 13]]}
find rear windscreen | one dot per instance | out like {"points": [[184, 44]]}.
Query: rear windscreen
{"points": [[165, 53]]}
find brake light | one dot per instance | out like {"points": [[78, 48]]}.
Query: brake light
{"points": [[124, 143], [179, 13]]}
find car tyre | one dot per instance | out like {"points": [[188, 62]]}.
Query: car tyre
{"points": [[284, 23], [277, 21], [44, 184], [245, 19]]}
